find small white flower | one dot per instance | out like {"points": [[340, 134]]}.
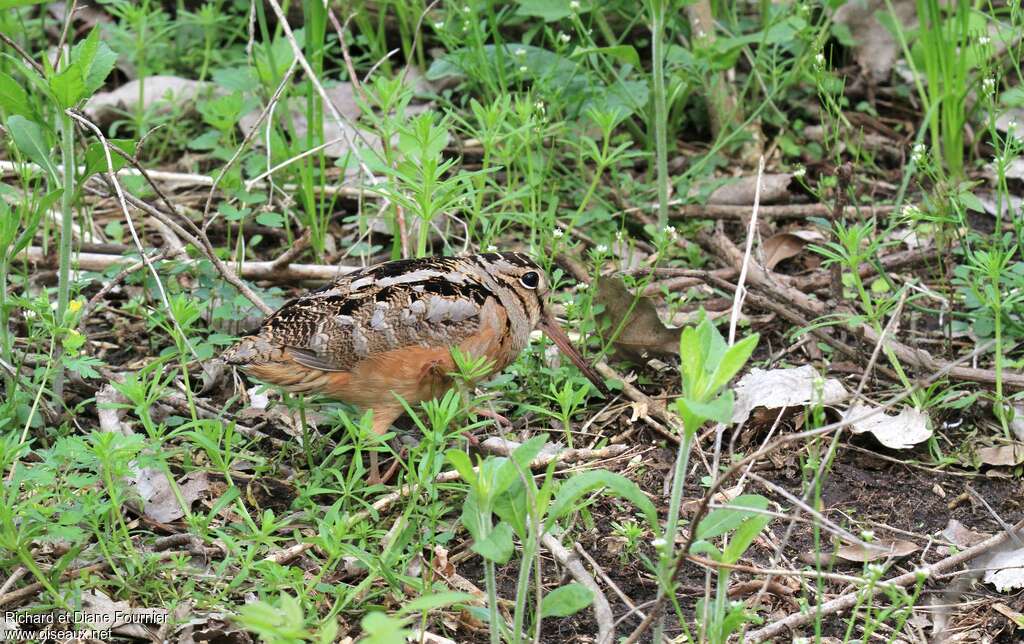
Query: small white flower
{"points": [[875, 570], [735, 604], [564, 37], [601, 249], [917, 154], [466, 9], [658, 543], [582, 286], [800, 172], [910, 211], [539, 106], [439, 25], [619, 235], [867, 535], [574, 5], [700, 34], [1012, 125], [492, 249], [520, 52], [523, 69], [819, 60], [672, 233], [988, 84], [558, 233], [983, 40]]}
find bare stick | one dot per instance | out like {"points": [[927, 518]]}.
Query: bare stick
{"points": [[737, 302], [257, 271], [602, 609]]}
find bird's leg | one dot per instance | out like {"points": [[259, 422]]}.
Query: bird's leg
{"points": [[382, 419]]}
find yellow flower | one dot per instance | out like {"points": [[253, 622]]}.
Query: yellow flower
{"points": [[75, 306]]}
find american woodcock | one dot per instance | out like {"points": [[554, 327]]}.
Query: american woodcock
{"points": [[388, 330]]}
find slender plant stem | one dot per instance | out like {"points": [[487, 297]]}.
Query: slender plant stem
{"points": [[67, 146], [657, 9], [665, 562]]}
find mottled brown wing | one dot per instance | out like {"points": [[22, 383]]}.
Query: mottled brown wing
{"points": [[379, 310]]}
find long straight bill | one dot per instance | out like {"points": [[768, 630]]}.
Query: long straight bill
{"points": [[549, 325]]}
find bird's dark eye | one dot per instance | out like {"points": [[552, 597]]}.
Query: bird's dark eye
{"points": [[530, 280]]}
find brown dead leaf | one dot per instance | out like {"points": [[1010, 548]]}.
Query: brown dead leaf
{"points": [[1002, 455], [171, 92], [642, 331], [876, 50], [782, 246], [875, 551], [740, 191], [960, 535], [1009, 613]]}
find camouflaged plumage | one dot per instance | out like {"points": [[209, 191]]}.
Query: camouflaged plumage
{"points": [[427, 302]]}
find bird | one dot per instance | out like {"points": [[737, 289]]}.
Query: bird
{"points": [[387, 331]]}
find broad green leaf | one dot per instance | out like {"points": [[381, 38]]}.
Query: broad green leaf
{"points": [[718, 410], [68, 86], [566, 600], [702, 547], [623, 53], [547, 10], [13, 98], [510, 506], [691, 359], [1013, 97], [382, 629], [472, 514], [498, 546], [95, 59], [743, 537], [96, 158], [735, 357], [971, 202], [716, 347], [722, 520], [519, 461], [576, 487], [460, 461], [31, 139], [437, 600]]}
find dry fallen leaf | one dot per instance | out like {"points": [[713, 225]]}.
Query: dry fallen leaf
{"points": [[778, 388], [1002, 455], [875, 551], [960, 535], [740, 192], [101, 612], [170, 91], [1009, 613], [1005, 569], [643, 332], [905, 429], [782, 246], [159, 500], [876, 50]]}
